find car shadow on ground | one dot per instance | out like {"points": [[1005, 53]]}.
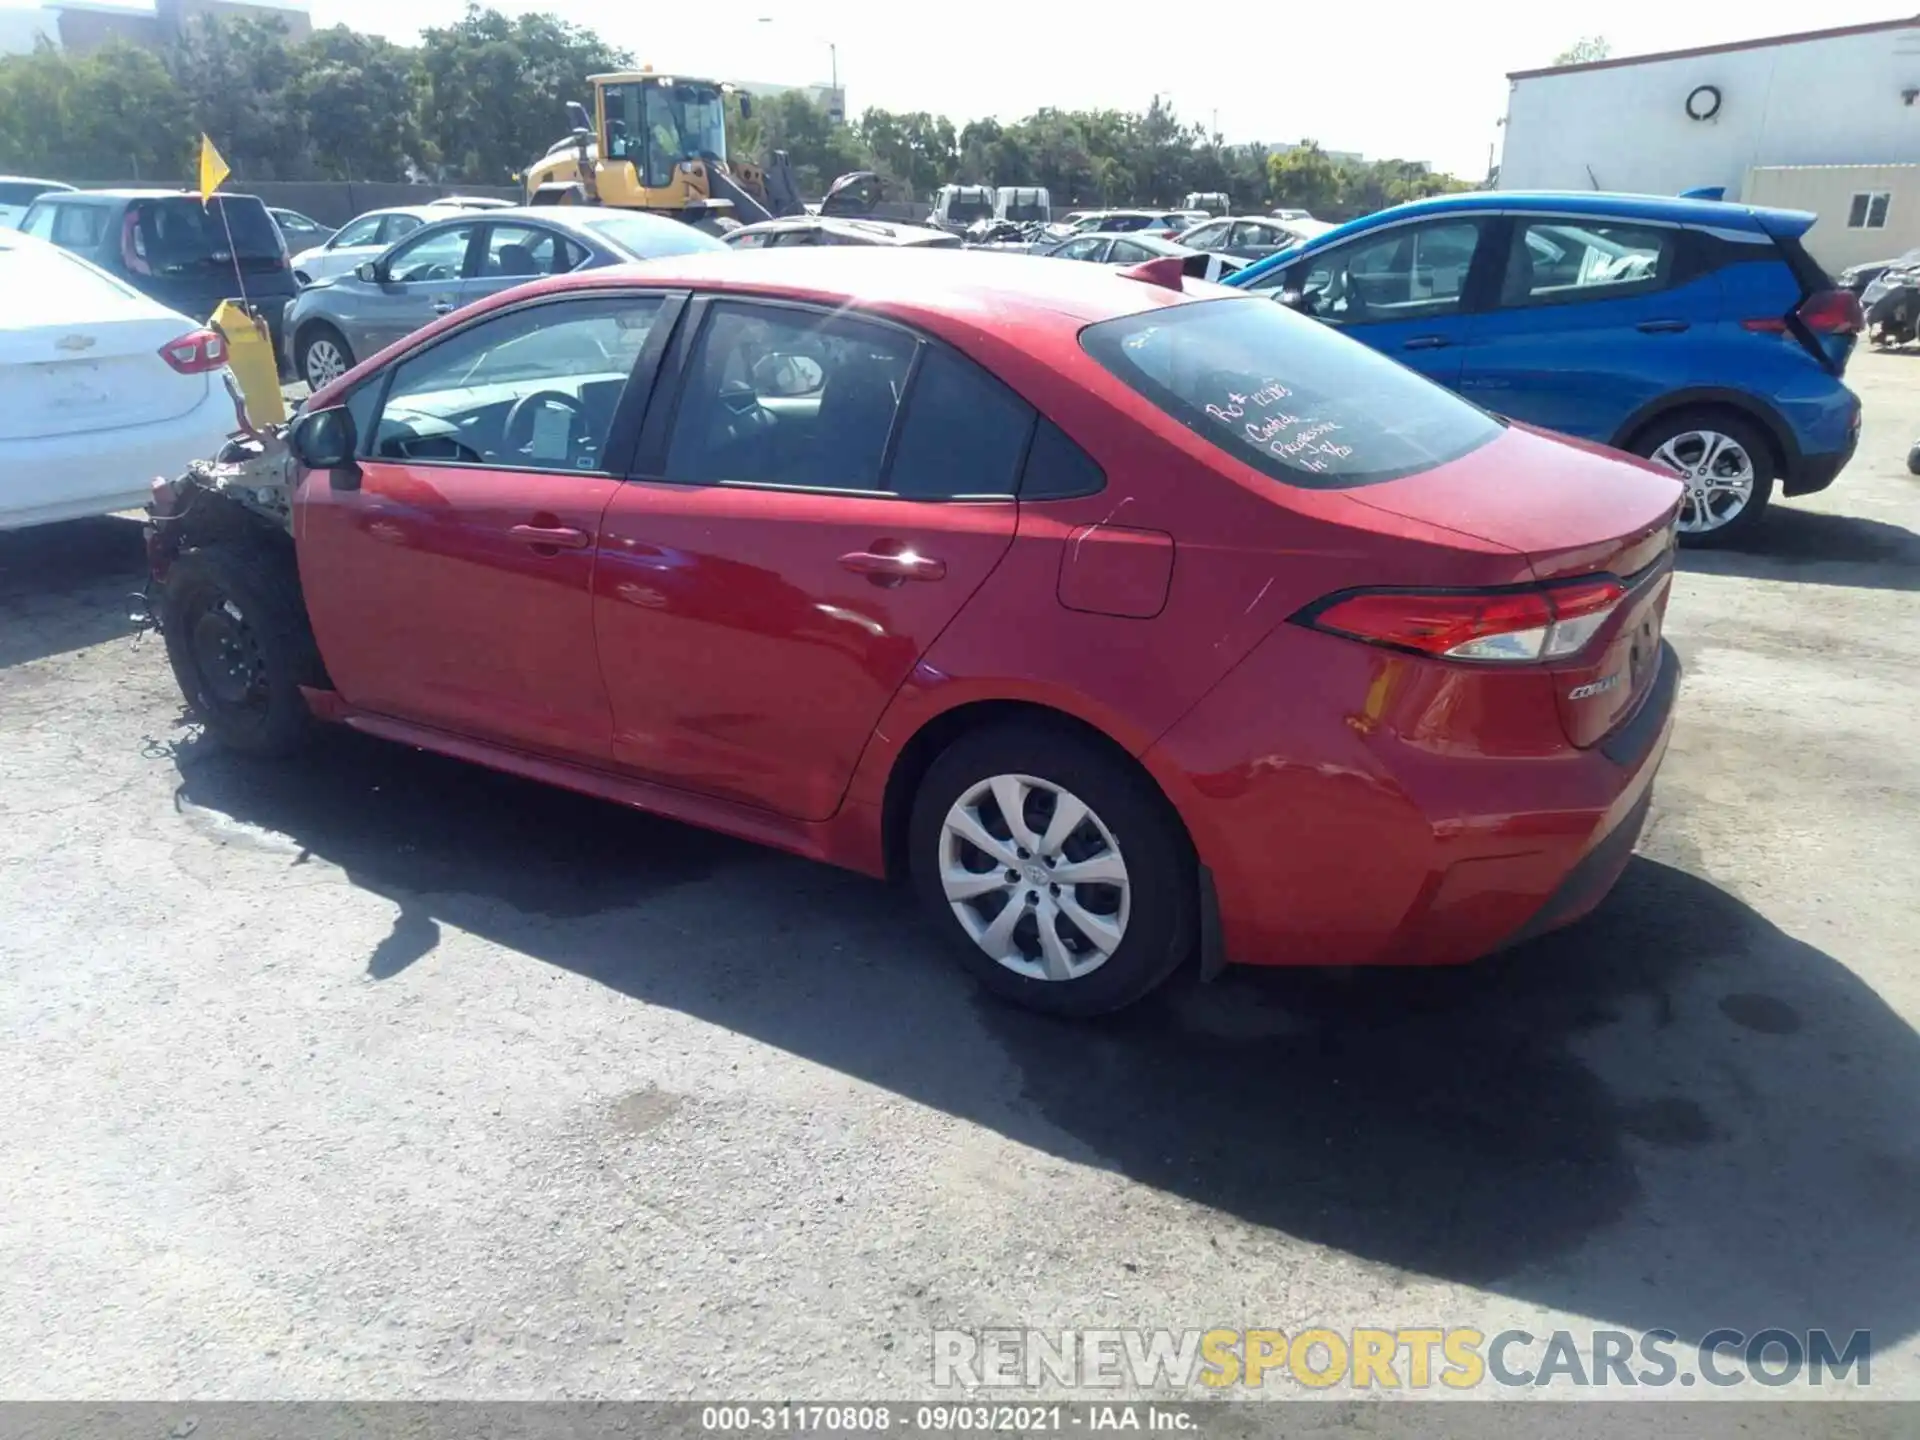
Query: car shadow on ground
{"points": [[65, 587], [1813, 547], [1674, 1115]]}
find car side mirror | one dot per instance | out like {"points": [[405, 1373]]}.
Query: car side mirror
{"points": [[371, 271], [326, 440]]}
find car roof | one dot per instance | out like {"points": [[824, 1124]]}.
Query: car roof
{"points": [[888, 230], [1148, 242], [121, 197], [34, 180], [1669, 209]]}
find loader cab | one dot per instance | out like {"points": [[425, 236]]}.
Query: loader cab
{"points": [[653, 130]]}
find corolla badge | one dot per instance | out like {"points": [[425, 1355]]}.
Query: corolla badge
{"points": [[1598, 687]]}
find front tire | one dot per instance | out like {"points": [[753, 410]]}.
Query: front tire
{"points": [[1727, 465], [237, 638], [1057, 872], [324, 355]]}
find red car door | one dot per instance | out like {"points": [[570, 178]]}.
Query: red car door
{"points": [[831, 493], [453, 586]]}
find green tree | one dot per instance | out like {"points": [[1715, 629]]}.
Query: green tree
{"points": [[112, 115], [348, 85], [493, 91], [237, 77], [1305, 177], [1585, 51]]}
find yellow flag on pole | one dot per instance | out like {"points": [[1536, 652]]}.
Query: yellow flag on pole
{"points": [[213, 169]]}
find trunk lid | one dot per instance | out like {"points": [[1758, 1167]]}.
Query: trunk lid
{"points": [[80, 353], [1573, 509]]}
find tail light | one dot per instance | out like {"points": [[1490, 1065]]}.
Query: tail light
{"points": [[133, 245], [1519, 627], [197, 353], [1825, 312]]}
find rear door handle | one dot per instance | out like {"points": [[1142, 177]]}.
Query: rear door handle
{"points": [[551, 537], [890, 568], [443, 307], [1426, 342], [1662, 327]]}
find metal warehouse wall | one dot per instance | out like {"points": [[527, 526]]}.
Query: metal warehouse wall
{"points": [[1835, 100], [1828, 191]]}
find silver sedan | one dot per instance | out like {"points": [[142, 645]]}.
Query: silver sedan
{"points": [[333, 324]]}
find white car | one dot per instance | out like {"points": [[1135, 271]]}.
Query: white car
{"points": [[101, 388], [17, 192], [365, 237]]}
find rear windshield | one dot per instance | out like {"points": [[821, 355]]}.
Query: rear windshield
{"points": [[648, 236], [22, 192], [183, 237], [1286, 394]]}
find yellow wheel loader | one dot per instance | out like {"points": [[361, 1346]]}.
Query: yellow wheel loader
{"points": [[659, 143]]}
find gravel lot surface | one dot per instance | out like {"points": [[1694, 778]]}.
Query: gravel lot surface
{"points": [[378, 1075]]}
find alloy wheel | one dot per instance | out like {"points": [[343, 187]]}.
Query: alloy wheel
{"points": [[1034, 877], [325, 363], [1718, 473]]}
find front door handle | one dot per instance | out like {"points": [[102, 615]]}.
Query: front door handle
{"points": [[890, 567], [1426, 342], [1662, 327], [551, 537]]}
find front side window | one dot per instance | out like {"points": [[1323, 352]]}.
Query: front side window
{"points": [[1552, 262], [1409, 272], [787, 397], [1295, 400], [1090, 248], [1868, 210], [364, 231], [530, 389], [437, 255]]}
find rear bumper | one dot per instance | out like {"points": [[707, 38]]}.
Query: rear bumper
{"points": [[68, 477], [1360, 848], [1809, 472]]}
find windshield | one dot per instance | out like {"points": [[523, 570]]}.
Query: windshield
{"points": [[1290, 397], [645, 236], [183, 237], [1026, 212], [969, 207], [658, 124]]}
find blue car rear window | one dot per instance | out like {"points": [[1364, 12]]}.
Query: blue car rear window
{"points": [[1287, 395]]}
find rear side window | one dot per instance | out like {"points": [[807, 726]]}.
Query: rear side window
{"points": [[1058, 469], [1554, 262], [77, 227], [1294, 399], [962, 433]]}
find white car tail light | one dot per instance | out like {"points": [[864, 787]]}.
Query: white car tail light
{"points": [[197, 353]]}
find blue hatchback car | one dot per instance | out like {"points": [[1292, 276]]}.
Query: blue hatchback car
{"points": [[1698, 334]]}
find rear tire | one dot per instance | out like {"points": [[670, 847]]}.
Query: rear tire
{"points": [[1110, 936], [1727, 464], [237, 638], [324, 355]]}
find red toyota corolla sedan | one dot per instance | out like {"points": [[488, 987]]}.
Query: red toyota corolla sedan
{"points": [[1133, 619]]}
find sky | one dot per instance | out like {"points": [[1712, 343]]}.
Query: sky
{"points": [[1418, 81]]}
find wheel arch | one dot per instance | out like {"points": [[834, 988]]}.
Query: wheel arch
{"points": [[941, 730], [1786, 449]]}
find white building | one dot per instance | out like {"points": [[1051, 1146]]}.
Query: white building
{"points": [[1827, 121]]}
